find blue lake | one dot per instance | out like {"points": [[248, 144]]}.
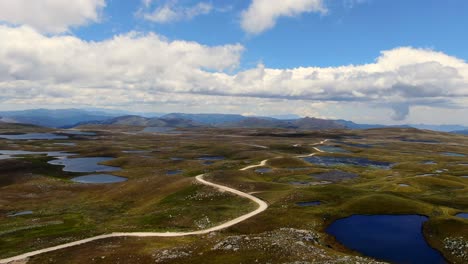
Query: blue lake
{"points": [[334, 161], [20, 213], [312, 203], [33, 136], [99, 178], [173, 172], [453, 154], [462, 215], [393, 238], [84, 164], [263, 170]]}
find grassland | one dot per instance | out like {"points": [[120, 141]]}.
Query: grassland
{"points": [[152, 201]]}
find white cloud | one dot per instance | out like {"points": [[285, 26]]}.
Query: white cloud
{"points": [[148, 70], [262, 15], [51, 16], [172, 12]]}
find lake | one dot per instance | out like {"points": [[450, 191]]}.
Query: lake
{"points": [[312, 203], [173, 172], [33, 136], [20, 213], [462, 215], [334, 161], [263, 170], [84, 164], [393, 238], [99, 178], [453, 154]]}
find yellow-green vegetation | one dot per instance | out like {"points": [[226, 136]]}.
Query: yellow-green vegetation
{"points": [[151, 200]]}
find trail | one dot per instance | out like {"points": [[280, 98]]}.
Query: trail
{"points": [[262, 206]]}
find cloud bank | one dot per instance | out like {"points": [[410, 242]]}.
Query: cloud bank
{"points": [[172, 12], [132, 68], [262, 15], [51, 16]]}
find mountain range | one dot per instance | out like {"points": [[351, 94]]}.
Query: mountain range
{"points": [[67, 118]]}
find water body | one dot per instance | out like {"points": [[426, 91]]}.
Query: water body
{"points": [[20, 213], [10, 154], [78, 133], [68, 144], [173, 172], [158, 129], [211, 158], [33, 136], [333, 149], [99, 178], [84, 164], [462, 215], [312, 203], [453, 154], [263, 170], [334, 161], [404, 185], [393, 238], [177, 159], [334, 176], [429, 162]]}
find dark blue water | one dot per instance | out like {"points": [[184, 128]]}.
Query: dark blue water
{"points": [[462, 215], [333, 161], [11, 154], [84, 164], [334, 176], [99, 178], [333, 149], [263, 170], [313, 203], [393, 238], [33, 136], [173, 172], [78, 133], [20, 213], [453, 154], [211, 158]]}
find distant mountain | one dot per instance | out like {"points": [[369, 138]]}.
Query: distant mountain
{"points": [[461, 132], [207, 119], [133, 120], [306, 123], [53, 118]]}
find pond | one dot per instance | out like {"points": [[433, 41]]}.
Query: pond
{"points": [[173, 172], [334, 176], [429, 162], [10, 154], [312, 203], [158, 129], [78, 133], [99, 178], [263, 170], [84, 164], [33, 136], [20, 213], [393, 238], [332, 149], [211, 158], [334, 161], [68, 144], [462, 215], [453, 154]]}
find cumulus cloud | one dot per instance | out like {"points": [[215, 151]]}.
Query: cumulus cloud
{"points": [[135, 68], [172, 12], [262, 15], [51, 16]]}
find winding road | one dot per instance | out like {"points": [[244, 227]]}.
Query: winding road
{"points": [[262, 206]]}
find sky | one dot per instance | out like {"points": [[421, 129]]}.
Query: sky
{"points": [[370, 61]]}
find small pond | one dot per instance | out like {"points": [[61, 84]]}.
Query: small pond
{"points": [[20, 213], [403, 185], [158, 129], [78, 133], [429, 162], [33, 136], [334, 161], [211, 158], [312, 203], [68, 144], [332, 149], [393, 238], [177, 159], [99, 178], [84, 164], [263, 170], [9, 154], [173, 172], [453, 154], [334, 176], [462, 215]]}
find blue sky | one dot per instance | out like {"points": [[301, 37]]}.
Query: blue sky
{"points": [[347, 34], [379, 61]]}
